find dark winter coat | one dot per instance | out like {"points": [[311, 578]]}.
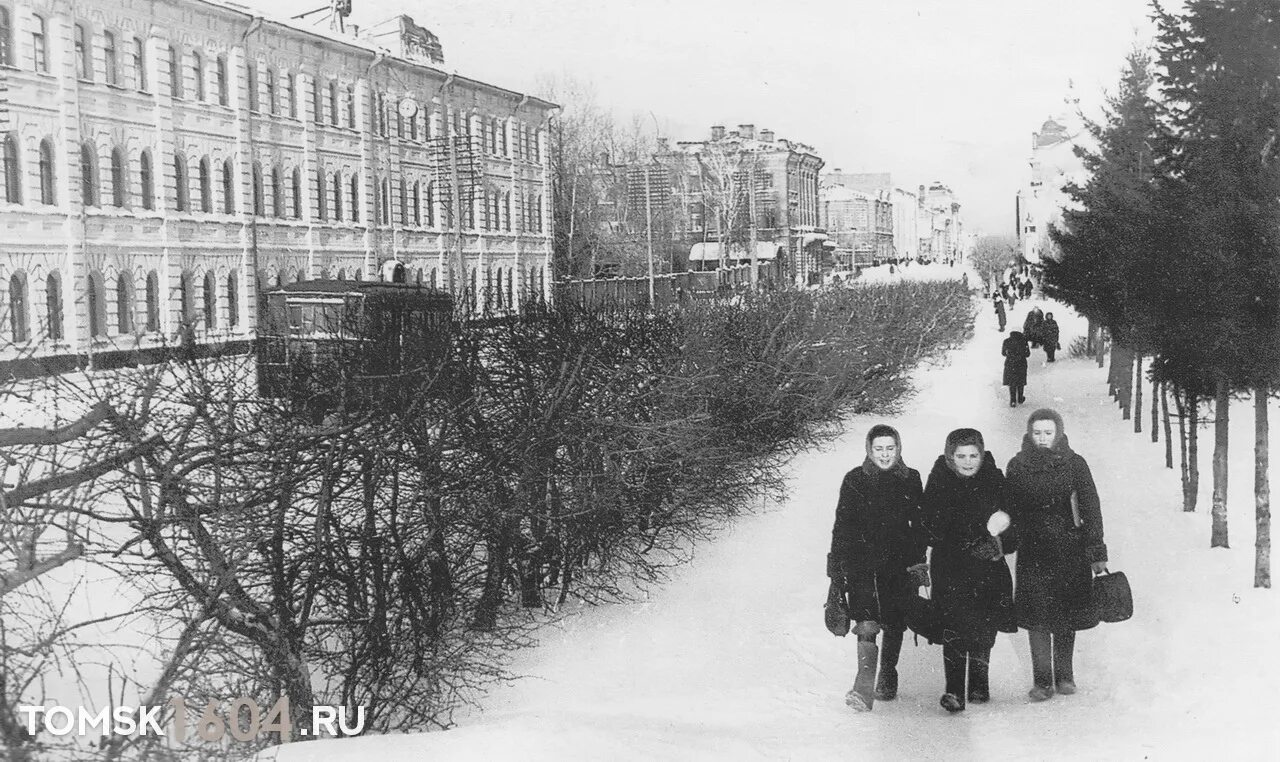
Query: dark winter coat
{"points": [[1054, 575], [1016, 352], [1049, 333], [1032, 326], [974, 596], [999, 309], [876, 537]]}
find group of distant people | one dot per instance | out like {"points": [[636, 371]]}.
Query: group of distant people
{"points": [[1038, 330], [1045, 506]]}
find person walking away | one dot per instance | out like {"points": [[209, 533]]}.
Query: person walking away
{"points": [[963, 520], [1016, 352], [1054, 503], [999, 306], [1031, 326], [877, 556], [1050, 334]]}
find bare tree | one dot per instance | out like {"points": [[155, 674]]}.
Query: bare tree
{"points": [[992, 255]]}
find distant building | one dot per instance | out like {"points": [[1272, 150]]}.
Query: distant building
{"points": [[941, 239], [901, 228], [166, 162], [1052, 164], [741, 185]]}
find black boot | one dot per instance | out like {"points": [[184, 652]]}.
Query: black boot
{"points": [[887, 679], [1064, 646], [953, 667], [1041, 665], [979, 680]]}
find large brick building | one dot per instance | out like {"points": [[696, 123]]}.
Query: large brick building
{"points": [[166, 160]]}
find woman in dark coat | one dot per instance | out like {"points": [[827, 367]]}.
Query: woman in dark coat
{"points": [[999, 307], [1049, 334], [1031, 326], [877, 556], [971, 583], [1016, 352], [1054, 504]]}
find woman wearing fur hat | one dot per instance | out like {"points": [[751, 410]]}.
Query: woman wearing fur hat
{"points": [[1054, 503], [970, 534], [877, 557]]}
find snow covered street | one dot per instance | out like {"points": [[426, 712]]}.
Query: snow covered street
{"points": [[730, 659]]}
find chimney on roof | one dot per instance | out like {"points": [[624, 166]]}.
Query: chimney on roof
{"points": [[748, 131], [766, 135], [717, 132], [734, 134]]}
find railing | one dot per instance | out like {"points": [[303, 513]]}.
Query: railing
{"points": [[668, 290]]}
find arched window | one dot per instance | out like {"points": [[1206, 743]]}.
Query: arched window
{"points": [[537, 211], [210, 301], [506, 211], [511, 287], [317, 101], [153, 302], [124, 304], [84, 53], [404, 202], [333, 102], [351, 106], [355, 196], [417, 203], [20, 328], [220, 73], [206, 186], [97, 308], [119, 178], [435, 277], [277, 192], [291, 94], [322, 199], [430, 204], [413, 125], [109, 58], [197, 73], [88, 174], [297, 193], [233, 300], [258, 202], [187, 299], [337, 196], [272, 101], [228, 187], [175, 72], [12, 170], [251, 84], [342, 274], [53, 305], [497, 288], [488, 288], [181, 187], [40, 43], [148, 181], [384, 191], [6, 37]]}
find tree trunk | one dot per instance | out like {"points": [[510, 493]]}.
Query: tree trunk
{"points": [[1091, 338], [1155, 411], [1221, 441], [1261, 487], [1180, 401], [1101, 347], [1168, 430], [1193, 453], [1137, 393], [1112, 388]]}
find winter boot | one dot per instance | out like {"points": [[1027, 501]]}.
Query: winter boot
{"points": [[861, 697], [1041, 665], [887, 679], [953, 668], [1064, 646], [979, 682]]}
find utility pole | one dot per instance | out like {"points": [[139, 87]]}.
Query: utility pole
{"points": [[648, 213], [751, 213]]}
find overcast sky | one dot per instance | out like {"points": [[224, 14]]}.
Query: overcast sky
{"points": [[946, 90]]}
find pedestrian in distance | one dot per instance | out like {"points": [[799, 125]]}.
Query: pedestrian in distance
{"points": [[1016, 352], [1050, 334], [963, 519], [1054, 503], [1031, 326], [878, 557], [999, 306], [1026, 288]]}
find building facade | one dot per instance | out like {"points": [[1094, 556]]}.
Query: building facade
{"points": [[1053, 163], [902, 227], [941, 227], [165, 161], [739, 186]]}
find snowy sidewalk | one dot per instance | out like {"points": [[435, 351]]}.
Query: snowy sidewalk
{"points": [[730, 660]]}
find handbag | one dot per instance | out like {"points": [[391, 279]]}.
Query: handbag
{"points": [[1112, 597], [924, 618], [835, 612]]}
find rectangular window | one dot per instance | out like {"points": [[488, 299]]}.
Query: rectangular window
{"points": [[252, 85], [84, 53], [175, 72], [140, 63], [291, 92], [6, 37], [109, 58], [40, 44], [221, 73]]}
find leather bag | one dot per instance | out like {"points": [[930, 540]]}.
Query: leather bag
{"points": [[1112, 597], [835, 612]]}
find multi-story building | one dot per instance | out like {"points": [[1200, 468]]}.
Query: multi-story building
{"points": [[860, 223], [739, 186], [1053, 163], [903, 227], [941, 237], [165, 161]]}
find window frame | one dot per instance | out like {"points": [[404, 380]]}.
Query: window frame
{"points": [[147, 178], [10, 157], [82, 44], [119, 178], [110, 58], [40, 44]]}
